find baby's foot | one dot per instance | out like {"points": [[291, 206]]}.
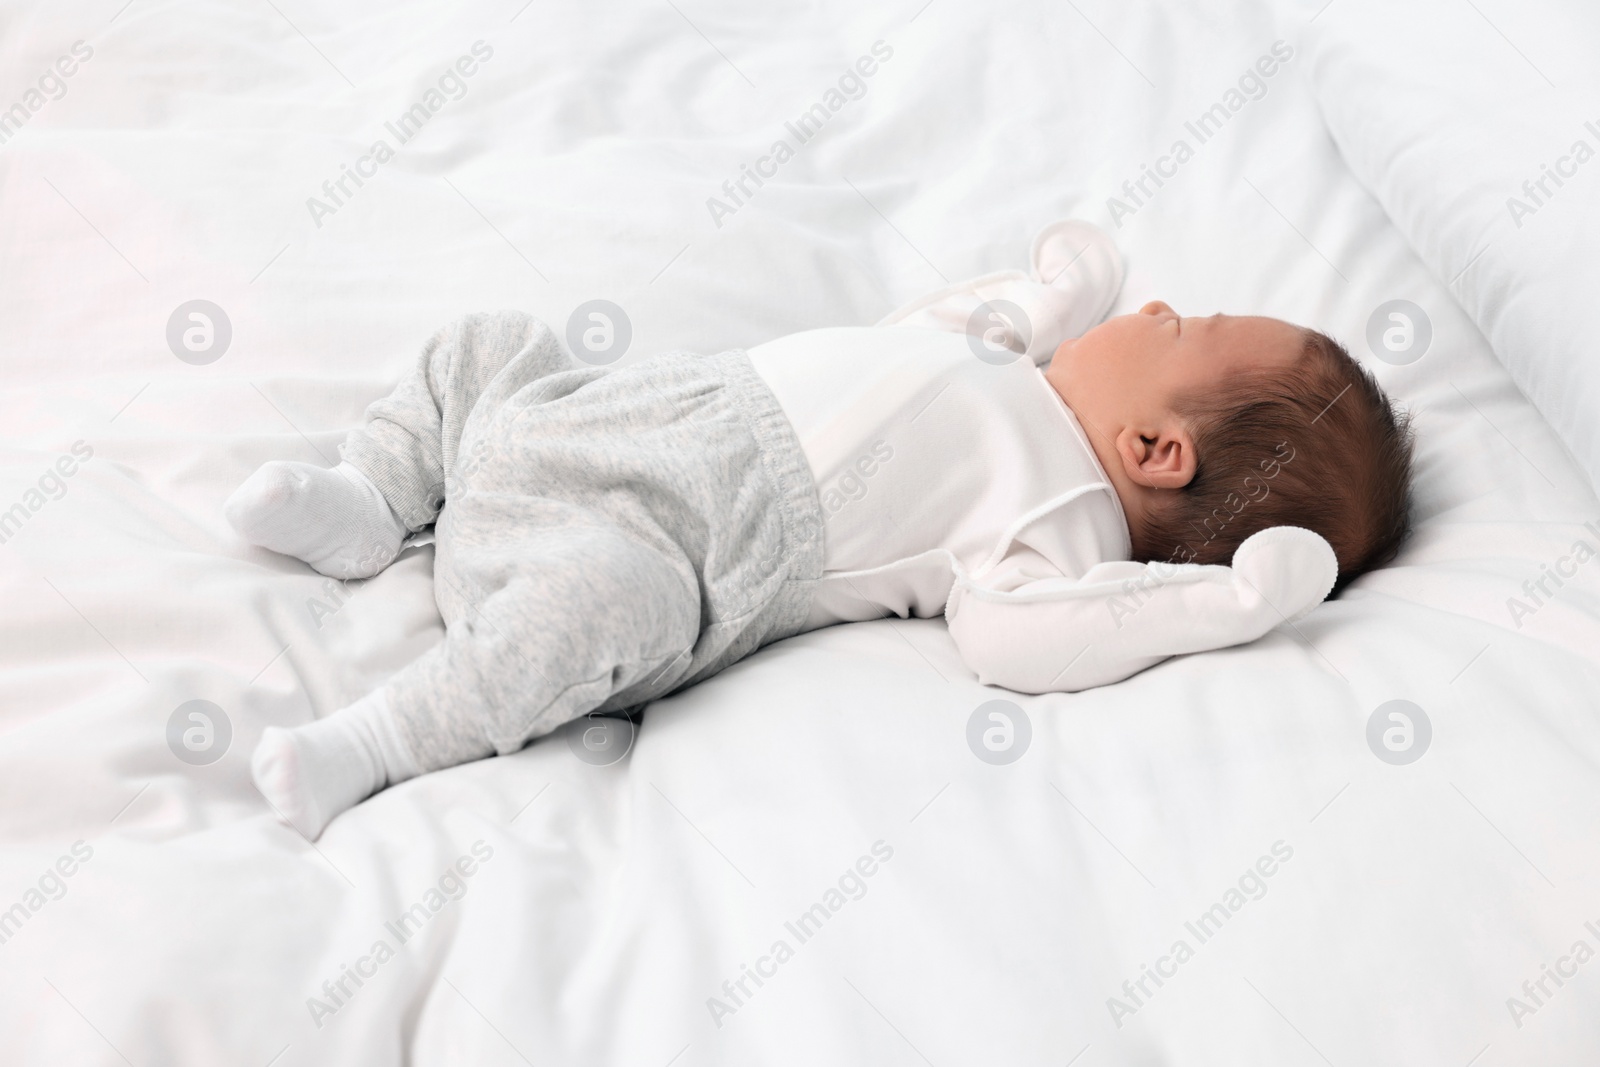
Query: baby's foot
{"points": [[334, 519], [285, 775], [314, 772]]}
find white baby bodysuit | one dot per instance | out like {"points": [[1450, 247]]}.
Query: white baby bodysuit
{"points": [[932, 463], [965, 486]]}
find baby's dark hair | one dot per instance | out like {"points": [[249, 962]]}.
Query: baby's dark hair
{"points": [[1318, 445]]}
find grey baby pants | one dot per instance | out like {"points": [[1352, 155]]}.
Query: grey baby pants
{"points": [[604, 536]]}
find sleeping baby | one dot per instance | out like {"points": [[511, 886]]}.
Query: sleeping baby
{"points": [[1078, 503]]}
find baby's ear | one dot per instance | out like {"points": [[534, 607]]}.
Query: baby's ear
{"points": [[1161, 457]]}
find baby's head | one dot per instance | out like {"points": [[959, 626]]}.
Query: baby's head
{"points": [[1212, 429]]}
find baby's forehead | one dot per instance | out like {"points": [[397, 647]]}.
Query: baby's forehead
{"points": [[1266, 324], [1264, 340]]}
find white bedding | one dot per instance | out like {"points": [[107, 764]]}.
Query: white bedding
{"points": [[1486, 170], [1006, 903]]}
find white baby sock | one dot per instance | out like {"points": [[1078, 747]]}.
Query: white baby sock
{"points": [[312, 773], [334, 519]]}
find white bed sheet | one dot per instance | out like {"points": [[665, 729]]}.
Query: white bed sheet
{"points": [[618, 900]]}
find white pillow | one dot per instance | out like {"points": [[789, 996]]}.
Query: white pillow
{"points": [[1456, 117]]}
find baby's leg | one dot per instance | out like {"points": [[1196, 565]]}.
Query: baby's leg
{"points": [[311, 773], [350, 521], [584, 614]]}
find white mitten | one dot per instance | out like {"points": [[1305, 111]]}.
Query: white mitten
{"points": [[1076, 275], [1292, 568]]}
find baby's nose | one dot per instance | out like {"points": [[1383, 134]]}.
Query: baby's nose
{"points": [[1156, 307]]}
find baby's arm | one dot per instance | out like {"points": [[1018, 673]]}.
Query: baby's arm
{"points": [[1063, 635], [1075, 277]]}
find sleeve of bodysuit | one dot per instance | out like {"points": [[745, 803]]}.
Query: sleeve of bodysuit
{"points": [[1053, 634]]}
